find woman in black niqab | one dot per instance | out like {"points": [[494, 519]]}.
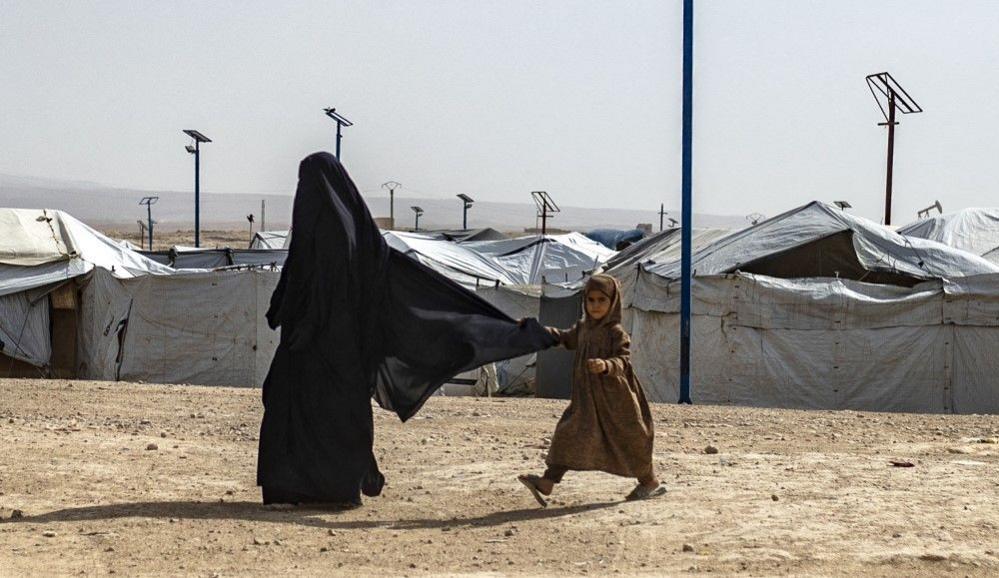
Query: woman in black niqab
{"points": [[359, 319]]}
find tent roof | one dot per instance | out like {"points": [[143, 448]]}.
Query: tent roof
{"points": [[811, 240], [43, 246], [268, 239], [529, 260], [457, 262], [661, 247], [975, 230]]}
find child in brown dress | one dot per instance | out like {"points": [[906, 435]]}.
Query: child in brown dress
{"points": [[608, 425]]}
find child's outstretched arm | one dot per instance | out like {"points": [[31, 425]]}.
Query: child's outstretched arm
{"points": [[567, 338]]}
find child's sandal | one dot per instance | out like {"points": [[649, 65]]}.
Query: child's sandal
{"points": [[531, 481], [644, 492]]}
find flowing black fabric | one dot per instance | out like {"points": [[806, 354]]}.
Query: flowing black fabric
{"points": [[359, 319]]}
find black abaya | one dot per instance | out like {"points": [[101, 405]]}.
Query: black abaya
{"points": [[359, 319]]}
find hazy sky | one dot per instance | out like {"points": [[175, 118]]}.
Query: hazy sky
{"points": [[495, 99]]}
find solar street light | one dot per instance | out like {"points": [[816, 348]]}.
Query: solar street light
{"points": [[341, 121], [843, 205], [196, 151], [466, 202], [417, 211], [885, 88], [546, 206], [924, 213], [391, 186], [149, 202]]}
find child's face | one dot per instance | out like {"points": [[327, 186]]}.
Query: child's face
{"points": [[597, 305]]}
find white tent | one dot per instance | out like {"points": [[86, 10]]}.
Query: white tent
{"points": [[205, 327], [908, 325], [534, 260], [457, 262], [975, 230], [269, 240], [41, 249]]}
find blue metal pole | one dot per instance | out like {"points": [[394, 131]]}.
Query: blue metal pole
{"points": [[687, 217], [197, 193], [338, 141]]}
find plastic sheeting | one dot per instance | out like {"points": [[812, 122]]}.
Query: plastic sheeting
{"points": [[454, 261], [877, 248], [41, 246], [25, 329], [555, 258], [204, 328], [824, 343], [975, 230], [268, 240]]}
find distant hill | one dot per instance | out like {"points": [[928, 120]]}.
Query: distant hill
{"points": [[103, 206]]}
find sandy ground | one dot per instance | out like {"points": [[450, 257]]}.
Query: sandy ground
{"points": [[789, 492], [163, 240]]}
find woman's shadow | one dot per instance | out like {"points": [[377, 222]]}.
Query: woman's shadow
{"points": [[302, 515]]}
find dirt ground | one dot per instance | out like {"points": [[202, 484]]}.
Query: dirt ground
{"points": [[166, 238], [132, 479]]}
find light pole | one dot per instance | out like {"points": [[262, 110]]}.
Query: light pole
{"points": [[662, 214], [341, 121], [897, 98], [546, 206], [686, 186], [466, 202], [149, 202], [392, 186], [417, 211], [196, 151]]}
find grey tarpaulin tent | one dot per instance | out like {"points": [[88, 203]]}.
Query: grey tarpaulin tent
{"points": [[975, 230], [908, 325]]}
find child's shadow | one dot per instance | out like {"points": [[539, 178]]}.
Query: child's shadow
{"points": [[304, 516]]}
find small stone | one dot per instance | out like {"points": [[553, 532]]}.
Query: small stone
{"points": [[711, 450], [412, 565], [933, 557], [509, 532], [277, 543], [324, 549], [152, 447], [688, 548], [49, 534], [229, 492], [162, 434], [10, 420], [774, 497], [260, 542], [331, 532], [896, 535]]}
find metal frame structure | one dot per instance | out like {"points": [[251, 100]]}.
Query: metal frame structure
{"points": [[546, 206], [149, 202], [341, 121], [196, 151], [924, 213], [466, 202], [884, 86]]}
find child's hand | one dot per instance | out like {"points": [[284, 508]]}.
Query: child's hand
{"points": [[596, 366]]}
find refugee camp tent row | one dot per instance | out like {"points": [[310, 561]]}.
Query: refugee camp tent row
{"points": [[819, 309], [74, 303], [975, 230]]}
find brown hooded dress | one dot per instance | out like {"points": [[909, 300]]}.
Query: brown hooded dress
{"points": [[608, 425]]}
